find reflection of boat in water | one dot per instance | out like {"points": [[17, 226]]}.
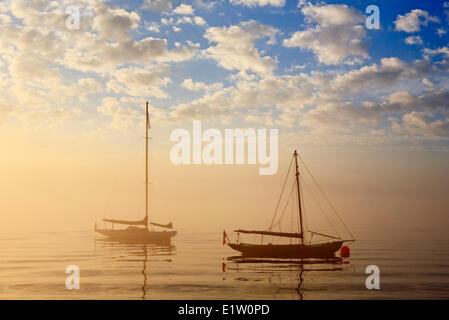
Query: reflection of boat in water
{"points": [[300, 249], [286, 275], [133, 232], [139, 252], [236, 263]]}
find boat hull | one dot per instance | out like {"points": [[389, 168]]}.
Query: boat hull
{"points": [[322, 250], [143, 236]]}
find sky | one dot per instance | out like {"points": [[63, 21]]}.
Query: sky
{"points": [[367, 108]]}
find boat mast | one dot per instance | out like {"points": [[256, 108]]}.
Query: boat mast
{"points": [[147, 125], [299, 197]]}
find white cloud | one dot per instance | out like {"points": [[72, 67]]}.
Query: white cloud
{"points": [[422, 124], [318, 102], [153, 27], [212, 106], [415, 115], [183, 9], [140, 82], [157, 5], [4, 19], [189, 20], [384, 74], [40, 54], [441, 31], [48, 71], [443, 50], [413, 40], [181, 53], [333, 15], [200, 86], [427, 82], [126, 113], [206, 4], [234, 47], [115, 24], [122, 118], [199, 21], [166, 21], [336, 37], [184, 20], [99, 56], [111, 107], [260, 3], [412, 21], [84, 87]]}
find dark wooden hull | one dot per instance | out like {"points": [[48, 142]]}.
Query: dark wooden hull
{"points": [[321, 250], [142, 236]]}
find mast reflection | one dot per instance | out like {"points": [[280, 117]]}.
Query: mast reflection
{"points": [[139, 252], [278, 271]]}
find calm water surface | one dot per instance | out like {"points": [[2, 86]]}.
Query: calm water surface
{"points": [[196, 266]]}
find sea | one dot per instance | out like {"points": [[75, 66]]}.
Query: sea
{"points": [[198, 266]]}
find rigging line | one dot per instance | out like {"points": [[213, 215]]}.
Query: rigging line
{"points": [[283, 211], [280, 196], [286, 206], [327, 199], [321, 208]]}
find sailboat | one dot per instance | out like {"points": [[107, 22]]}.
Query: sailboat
{"points": [[139, 231], [301, 249]]}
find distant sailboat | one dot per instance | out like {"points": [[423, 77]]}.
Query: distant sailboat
{"points": [[133, 232], [301, 249]]}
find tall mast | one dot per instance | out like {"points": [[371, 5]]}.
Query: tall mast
{"points": [[299, 196], [147, 126]]}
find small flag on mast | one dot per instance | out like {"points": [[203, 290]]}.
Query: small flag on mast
{"points": [[148, 118], [224, 237]]}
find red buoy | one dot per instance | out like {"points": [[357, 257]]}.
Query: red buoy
{"points": [[344, 252]]}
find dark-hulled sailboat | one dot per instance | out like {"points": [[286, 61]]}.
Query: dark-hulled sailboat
{"points": [[134, 233], [301, 249]]}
